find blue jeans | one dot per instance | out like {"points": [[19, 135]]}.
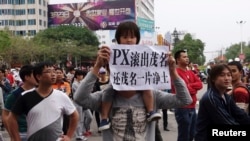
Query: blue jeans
{"points": [[186, 119]]}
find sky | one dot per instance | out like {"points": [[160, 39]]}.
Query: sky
{"points": [[214, 22]]}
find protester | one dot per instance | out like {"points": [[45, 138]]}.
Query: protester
{"points": [[44, 108], [128, 114], [186, 116], [62, 85], [78, 77], [4, 84], [216, 107], [128, 33], [29, 82], [240, 92], [9, 75], [209, 67]]}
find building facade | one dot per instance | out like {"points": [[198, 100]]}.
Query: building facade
{"points": [[24, 17], [28, 17]]}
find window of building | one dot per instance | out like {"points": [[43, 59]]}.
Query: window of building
{"points": [[21, 32], [40, 11], [6, 22], [44, 23], [19, 2], [40, 2], [31, 11], [20, 12], [32, 22], [20, 22], [31, 1], [3, 12], [11, 22], [32, 32], [40, 22], [10, 1], [44, 13], [3, 1]]}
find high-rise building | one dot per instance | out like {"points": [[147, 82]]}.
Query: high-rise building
{"points": [[145, 9], [24, 17], [28, 17]]}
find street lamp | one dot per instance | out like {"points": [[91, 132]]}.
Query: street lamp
{"points": [[241, 24]]}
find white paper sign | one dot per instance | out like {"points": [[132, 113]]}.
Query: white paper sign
{"points": [[139, 67]]}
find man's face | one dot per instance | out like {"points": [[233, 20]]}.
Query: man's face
{"points": [[48, 76], [236, 74], [183, 60], [59, 74], [223, 80]]}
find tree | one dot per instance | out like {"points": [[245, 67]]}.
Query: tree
{"points": [[233, 51], [62, 41], [4, 40], [194, 48]]}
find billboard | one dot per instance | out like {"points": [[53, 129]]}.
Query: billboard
{"points": [[104, 15], [145, 24]]}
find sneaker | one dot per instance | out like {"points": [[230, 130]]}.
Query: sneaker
{"points": [[104, 125], [152, 116], [81, 138]]}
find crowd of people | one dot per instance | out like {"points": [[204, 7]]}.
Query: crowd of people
{"points": [[50, 104]]}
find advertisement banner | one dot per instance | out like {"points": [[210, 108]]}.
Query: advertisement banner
{"points": [[104, 15], [145, 24]]}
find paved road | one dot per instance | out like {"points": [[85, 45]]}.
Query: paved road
{"points": [[166, 135]]}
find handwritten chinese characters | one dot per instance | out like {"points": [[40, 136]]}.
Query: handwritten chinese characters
{"points": [[139, 67]]}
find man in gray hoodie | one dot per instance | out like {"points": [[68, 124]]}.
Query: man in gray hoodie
{"points": [[128, 114]]}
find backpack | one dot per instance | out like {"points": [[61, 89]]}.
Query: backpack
{"points": [[247, 87]]}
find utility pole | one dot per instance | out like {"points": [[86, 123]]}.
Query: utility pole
{"points": [[241, 23]]}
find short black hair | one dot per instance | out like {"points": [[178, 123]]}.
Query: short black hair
{"points": [[59, 69], [237, 64], [39, 67], [2, 70], [178, 54], [125, 28], [80, 72], [26, 70], [216, 71]]}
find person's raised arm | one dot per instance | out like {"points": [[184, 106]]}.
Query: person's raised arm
{"points": [[182, 96], [83, 95], [103, 57], [172, 67]]}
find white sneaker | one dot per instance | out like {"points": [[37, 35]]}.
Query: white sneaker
{"points": [[82, 138]]}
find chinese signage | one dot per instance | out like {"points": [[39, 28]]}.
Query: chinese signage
{"points": [[145, 24], [94, 15], [139, 67]]}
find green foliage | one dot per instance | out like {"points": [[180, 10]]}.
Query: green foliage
{"points": [[194, 47], [4, 40], [81, 36], [233, 51], [59, 42]]}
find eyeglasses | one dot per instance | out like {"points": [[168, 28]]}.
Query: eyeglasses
{"points": [[50, 71]]}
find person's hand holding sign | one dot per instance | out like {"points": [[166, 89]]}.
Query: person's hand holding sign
{"points": [[172, 66], [103, 57]]}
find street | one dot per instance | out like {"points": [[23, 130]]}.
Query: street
{"points": [[166, 135]]}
